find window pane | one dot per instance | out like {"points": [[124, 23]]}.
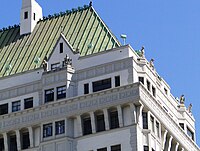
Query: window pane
{"points": [[145, 120], [61, 47], [146, 148], [86, 88], [60, 127], [87, 127], [3, 109], [141, 79], [28, 103], [190, 133], [102, 149], [100, 123], [152, 123], [1, 144], [101, 85], [116, 148], [25, 141], [16, 106], [47, 130], [13, 143], [61, 92], [117, 81], [114, 121], [55, 66], [49, 95], [25, 15]]}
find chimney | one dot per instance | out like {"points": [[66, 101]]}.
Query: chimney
{"points": [[31, 13]]}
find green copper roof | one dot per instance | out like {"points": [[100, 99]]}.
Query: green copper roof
{"points": [[82, 27]]}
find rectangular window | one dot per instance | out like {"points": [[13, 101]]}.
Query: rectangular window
{"points": [[102, 149], [148, 85], [55, 66], [146, 148], [25, 141], [60, 127], [190, 133], [61, 92], [61, 47], [141, 79], [116, 148], [28, 103], [47, 130], [145, 120], [87, 127], [34, 16], [157, 129], [1, 144], [49, 95], [152, 123], [117, 81], [4, 109], [13, 143], [101, 85], [114, 121], [16, 106], [25, 15], [86, 88], [100, 123], [154, 91], [181, 125]]}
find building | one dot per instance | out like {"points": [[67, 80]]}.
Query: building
{"points": [[67, 84]]}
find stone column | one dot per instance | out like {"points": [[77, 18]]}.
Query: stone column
{"points": [[18, 139], [79, 126], [133, 113], [177, 145], [170, 142], [30, 130], [107, 125], [5, 138], [164, 139], [139, 115], [120, 118], [93, 122]]}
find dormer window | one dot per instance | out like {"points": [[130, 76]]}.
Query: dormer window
{"points": [[25, 15]]}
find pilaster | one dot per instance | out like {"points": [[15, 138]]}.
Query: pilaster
{"points": [[119, 110], [30, 130], [5, 138], [93, 122], [107, 125], [18, 139]]}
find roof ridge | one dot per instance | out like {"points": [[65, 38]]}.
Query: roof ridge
{"points": [[62, 13], [9, 27]]}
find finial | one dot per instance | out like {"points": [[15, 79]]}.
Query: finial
{"points": [[90, 3], [45, 64], [142, 52], [182, 100], [67, 61], [190, 108], [152, 63]]}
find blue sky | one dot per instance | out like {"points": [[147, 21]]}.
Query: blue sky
{"points": [[169, 30]]}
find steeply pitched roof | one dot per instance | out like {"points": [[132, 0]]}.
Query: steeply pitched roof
{"points": [[82, 27]]}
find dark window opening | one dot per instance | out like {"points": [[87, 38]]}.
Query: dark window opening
{"points": [[152, 123], [28, 103], [165, 91], [154, 91], [49, 95], [114, 121], [86, 88], [60, 127], [1, 144], [157, 129], [101, 85], [25, 141], [13, 143], [116, 148], [181, 125], [34, 16], [16, 106], [25, 15], [61, 47], [141, 79], [190, 133], [146, 148], [87, 127], [47, 130], [4, 109], [117, 81], [145, 120], [100, 123], [102, 149], [61, 92], [148, 85]]}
